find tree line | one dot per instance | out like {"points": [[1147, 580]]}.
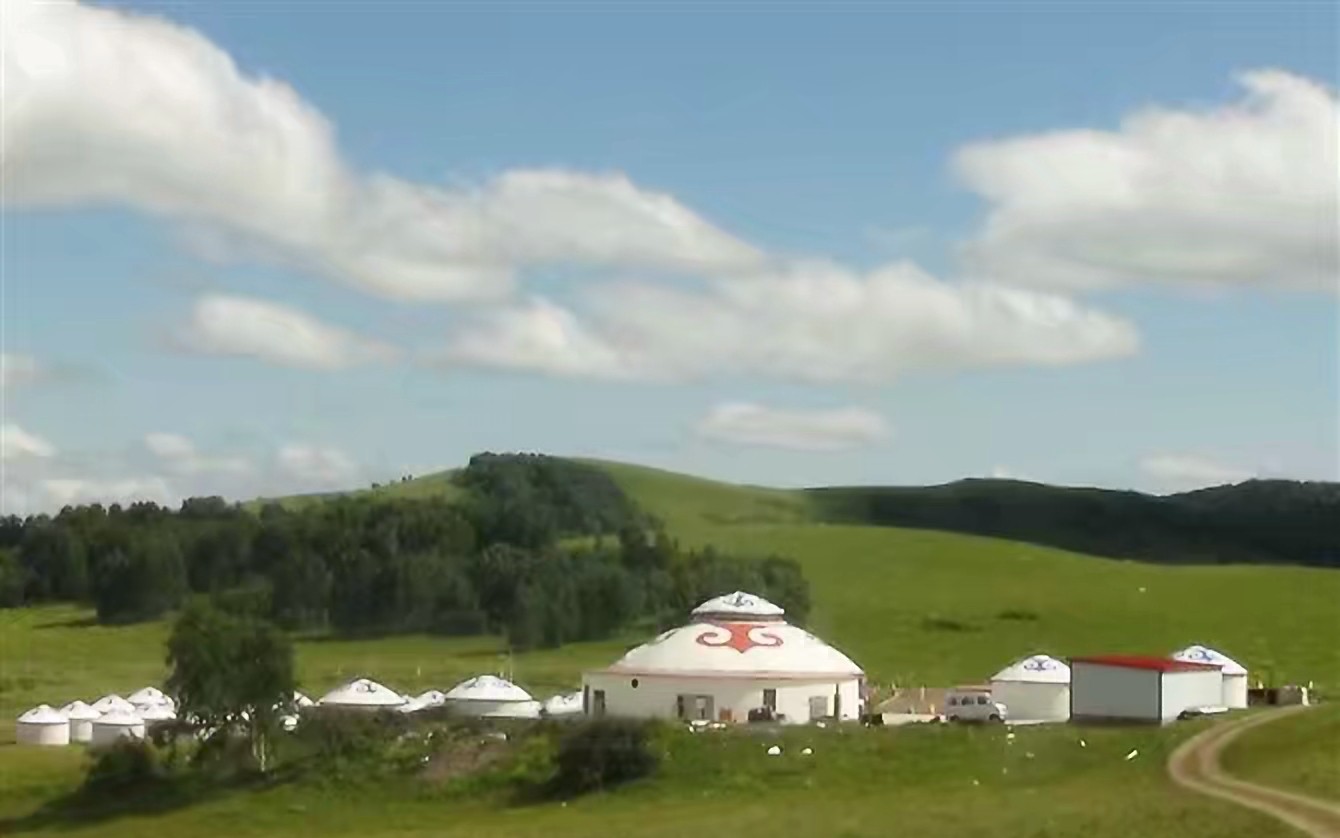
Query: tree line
{"points": [[539, 549]]}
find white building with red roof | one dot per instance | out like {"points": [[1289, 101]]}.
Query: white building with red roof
{"points": [[736, 654], [1138, 688]]}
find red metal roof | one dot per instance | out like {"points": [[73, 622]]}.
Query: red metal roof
{"points": [[1149, 662]]}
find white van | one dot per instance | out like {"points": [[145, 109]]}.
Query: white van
{"points": [[969, 704]]}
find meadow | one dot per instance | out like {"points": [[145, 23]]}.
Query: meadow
{"points": [[914, 607], [1299, 753]]}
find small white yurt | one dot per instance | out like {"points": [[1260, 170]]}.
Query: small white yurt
{"points": [[43, 725], [431, 698], [149, 697], [736, 654], [561, 706], [1233, 673], [1036, 688], [155, 714], [363, 694], [111, 702], [489, 695], [117, 725], [300, 701], [81, 718]]}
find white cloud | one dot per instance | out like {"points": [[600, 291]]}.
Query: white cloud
{"points": [[105, 107], [1243, 194], [18, 444], [72, 491], [179, 455], [1188, 471], [277, 334], [318, 466], [1006, 473], [801, 430], [813, 322], [17, 369]]}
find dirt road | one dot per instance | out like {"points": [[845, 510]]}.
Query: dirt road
{"points": [[1195, 765]]}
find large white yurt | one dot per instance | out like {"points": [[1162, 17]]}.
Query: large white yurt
{"points": [[43, 725], [1233, 673], [489, 695], [116, 725], [149, 697], [559, 706], [81, 718], [111, 702], [736, 654], [363, 694], [1036, 688]]}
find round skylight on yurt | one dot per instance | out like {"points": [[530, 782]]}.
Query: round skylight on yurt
{"points": [[362, 692], [738, 606], [43, 725]]}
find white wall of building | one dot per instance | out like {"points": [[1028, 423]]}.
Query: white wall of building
{"points": [[1113, 692], [106, 734], [656, 696], [1235, 691], [1190, 690], [42, 734], [1031, 701]]}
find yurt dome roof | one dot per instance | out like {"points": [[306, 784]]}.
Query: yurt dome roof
{"points": [[516, 710], [148, 695], [560, 704], [487, 688], [156, 713], [112, 702], [1036, 669], [363, 692], [301, 700], [739, 605], [431, 698], [43, 714], [79, 711], [120, 718], [737, 649], [1204, 654]]}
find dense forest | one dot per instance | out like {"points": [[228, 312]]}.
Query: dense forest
{"points": [[1257, 522], [540, 549]]}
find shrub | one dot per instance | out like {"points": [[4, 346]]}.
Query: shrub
{"points": [[338, 744], [1021, 615], [934, 623], [601, 754], [125, 765]]}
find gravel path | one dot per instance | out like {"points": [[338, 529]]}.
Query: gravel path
{"points": [[1195, 765]]}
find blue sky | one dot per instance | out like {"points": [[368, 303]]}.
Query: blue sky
{"points": [[780, 244]]}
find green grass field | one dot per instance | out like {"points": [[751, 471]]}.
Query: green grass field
{"points": [[914, 607], [1298, 753]]}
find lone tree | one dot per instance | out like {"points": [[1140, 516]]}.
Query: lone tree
{"points": [[231, 669]]}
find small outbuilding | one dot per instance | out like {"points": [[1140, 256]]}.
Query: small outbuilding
{"points": [[363, 694], [1234, 674], [1136, 688], [491, 696], [736, 658], [1036, 688], [115, 726], [43, 725], [81, 718]]}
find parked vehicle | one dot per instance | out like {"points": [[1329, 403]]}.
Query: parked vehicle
{"points": [[973, 705]]}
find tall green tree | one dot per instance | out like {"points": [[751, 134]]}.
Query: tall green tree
{"points": [[231, 669]]}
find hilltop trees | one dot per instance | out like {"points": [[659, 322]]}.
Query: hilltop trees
{"points": [[540, 550]]}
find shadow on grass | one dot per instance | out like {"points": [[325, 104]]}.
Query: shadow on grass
{"points": [[69, 622], [81, 810]]}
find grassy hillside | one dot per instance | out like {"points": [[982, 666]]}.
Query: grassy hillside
{"points": [[1298, 753], [932, 781]]}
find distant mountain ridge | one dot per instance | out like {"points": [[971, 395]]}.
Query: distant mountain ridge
{"points": [[1256, 522]]}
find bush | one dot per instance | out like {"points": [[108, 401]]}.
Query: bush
{"points": [[601, 754], [125, 765], [334, 744], [1018, 615], [934, 623]]}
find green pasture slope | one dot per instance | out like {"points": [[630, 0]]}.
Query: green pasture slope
{"points": [[1300, 753], [914, 607]]}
